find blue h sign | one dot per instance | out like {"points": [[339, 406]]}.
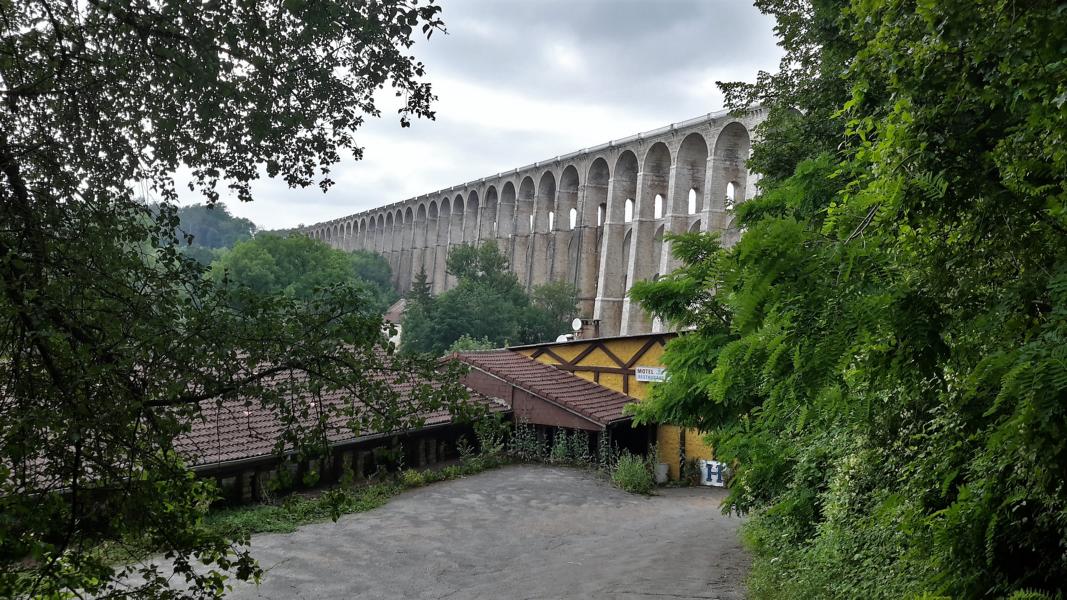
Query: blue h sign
{"points": [[714, 472]]}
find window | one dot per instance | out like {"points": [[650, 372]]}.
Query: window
{"points": [[693, 201], [658, 211], [574, 218], [628, 211]]}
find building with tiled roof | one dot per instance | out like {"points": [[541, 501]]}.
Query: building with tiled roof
{"points": [[236, 440], [542, 394], [231, 432]]}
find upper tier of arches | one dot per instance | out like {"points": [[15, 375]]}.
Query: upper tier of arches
{"points": [[693, 170]]}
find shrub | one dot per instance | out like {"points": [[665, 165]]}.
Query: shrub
{"points": [[691, 472], [632, 474], [411, 478], [491, 433], [464, 449]]}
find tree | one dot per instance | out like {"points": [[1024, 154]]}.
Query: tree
{"points": [[420, 293], [212, 227], [482, 264], [555, 304], [466, 343], [299, 267], [110, 338], [881, 356], [488, 303]]}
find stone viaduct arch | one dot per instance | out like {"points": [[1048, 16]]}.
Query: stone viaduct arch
{"points": [[595, 218]]}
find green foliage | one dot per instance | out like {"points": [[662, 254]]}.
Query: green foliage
{"points": [[491, 432], [110, 337], [466, 343], [482, 264], [606, 454], [578, 448], [564, 447], [298, 510], [299, 267], [632, 474], [561, 447], [488, 305], [464, 448], [410, 478], [525, 444], [210, 228], [553, 306], [881, 357], [389, 459]]}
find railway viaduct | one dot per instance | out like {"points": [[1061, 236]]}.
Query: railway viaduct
{"points": [[595, 217]]}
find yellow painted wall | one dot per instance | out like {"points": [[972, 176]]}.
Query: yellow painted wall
{"points": [[668, 437]]}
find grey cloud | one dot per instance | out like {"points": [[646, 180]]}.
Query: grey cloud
{"points": [[630, 49], [646, 62]]}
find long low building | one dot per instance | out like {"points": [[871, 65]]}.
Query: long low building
{"points": [[236, 443], [596, 217]]}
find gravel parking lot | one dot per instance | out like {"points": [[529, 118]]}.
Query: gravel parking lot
{"points": [[518, 532]]}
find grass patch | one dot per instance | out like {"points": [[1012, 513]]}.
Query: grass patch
{"points": [[297, 510]]}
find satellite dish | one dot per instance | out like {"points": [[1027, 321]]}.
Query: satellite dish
{"points": [[576, 324]]}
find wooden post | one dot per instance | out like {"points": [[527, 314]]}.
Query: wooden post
{"points": [[431, 451], [361, 465], [681, 453], [245, 486]]}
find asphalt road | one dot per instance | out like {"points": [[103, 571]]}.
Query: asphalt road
{"points": [[517, 532]]}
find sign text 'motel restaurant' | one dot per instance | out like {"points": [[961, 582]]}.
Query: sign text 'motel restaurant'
{"points": [[650, 373]]}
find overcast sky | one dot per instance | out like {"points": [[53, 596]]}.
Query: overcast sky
{"points": [[525, 80]]}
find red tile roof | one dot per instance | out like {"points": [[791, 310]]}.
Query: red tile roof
{"points": [[395, 313], [230, 431], [590, 400]]}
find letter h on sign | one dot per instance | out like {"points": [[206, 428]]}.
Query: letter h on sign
{"points": [[714, 472]]}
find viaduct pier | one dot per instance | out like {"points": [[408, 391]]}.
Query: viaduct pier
{"points": [[595, 218]]}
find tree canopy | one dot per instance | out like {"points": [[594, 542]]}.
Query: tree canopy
{"points": [[298, 266], [110, 338], [212, 227], [881, 357], [488, 305]]}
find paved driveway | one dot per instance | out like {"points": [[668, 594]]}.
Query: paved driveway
{"points": [[517, 532]]}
